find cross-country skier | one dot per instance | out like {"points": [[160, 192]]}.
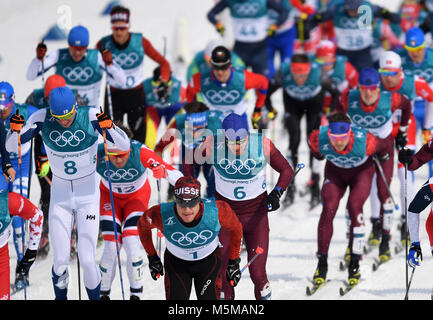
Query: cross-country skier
{"points": [[129, 50], [131, 193], [371, 108], [250, 28], [21, 184], [70, 136], [192, 128], [191, 226], [239, 158], [157, 108], [304, 89], [223, 88], [348, 150], [81, 67]]}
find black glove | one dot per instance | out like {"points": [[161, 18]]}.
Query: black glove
{"points": [[273, 199], [155, 266], [233, 272], [26, 262], [162, 92], [401, 139], [5, 168], [405, 156]]}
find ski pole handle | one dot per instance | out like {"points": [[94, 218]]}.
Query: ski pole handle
{"points": [[259, 251]]}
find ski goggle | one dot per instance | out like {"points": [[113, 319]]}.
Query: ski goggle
{"points": [[187, 203], [388, 72], [325, 63], [65, 116], [120, 28], [339, 137], [78, 48], [371, 87], [236, 142], [119, 154], [414, 49]]}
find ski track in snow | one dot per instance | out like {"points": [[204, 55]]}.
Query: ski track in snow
{"points": [[293, 230]]}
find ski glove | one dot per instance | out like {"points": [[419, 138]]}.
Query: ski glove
{"points": [[158, 170], [9, 175], [26, 262], [162, 92], [107, 57], [220, 28], [155, 266], [426, 135], [42, 166], [273, 199], [104, 120], [233, 272], [257, 115], [41, 51], [17, 122], [401, 139], [414, 257], [405, 156], [272, 30]]}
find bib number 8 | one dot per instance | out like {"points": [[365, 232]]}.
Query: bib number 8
{"points": [[70, 167], [239, 193]]}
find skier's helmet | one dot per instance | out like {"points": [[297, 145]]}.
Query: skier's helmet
{"points": [[7, 95], [221, 58]]}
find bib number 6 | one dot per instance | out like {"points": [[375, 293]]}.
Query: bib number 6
{"points": [[239, 193]]}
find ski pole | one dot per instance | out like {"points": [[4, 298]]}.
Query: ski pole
{"points": [[20, 160], [74, 230], [112, 208], [110, 103], [384, 181], [406, 297], [159, 234], [259, 251], [405, 219]]}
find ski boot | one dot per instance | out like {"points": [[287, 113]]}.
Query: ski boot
{"points": [[290, 195], [134, 297], [322, 269], [384, 251], [21, 280], [376, 231], [104, 295], [354, 273]]}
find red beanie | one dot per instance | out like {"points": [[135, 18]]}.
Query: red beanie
{"points": [[53, 81]]}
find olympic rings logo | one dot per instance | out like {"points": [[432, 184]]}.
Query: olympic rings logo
{"points": [[192, 237], [344, 161], [67, 137], [246, 9], [427, 74], [222, 96], [119, 174], [369, 121], [347, 23], [126, 59], [78, 73], [301, 91], [237, 165]]}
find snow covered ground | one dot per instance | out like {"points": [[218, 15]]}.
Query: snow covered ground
{"points": [[293, 238]]}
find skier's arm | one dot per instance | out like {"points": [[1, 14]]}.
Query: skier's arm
{"points": [[22, 207], [193, 88], [381, 12], [343, 102], [35, 68], [279, 163], [167, 138], [425, 154], [114, 134], [158, 58], [150, 219], [399, 101], [313, 144], [203, 151], [259, 83], [219, 6], [277, 7], [148, 157], [115, 73], [229, 221], [351, 75], [375, 145]]}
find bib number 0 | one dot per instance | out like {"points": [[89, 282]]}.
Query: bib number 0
{"points": [[70, 167]]}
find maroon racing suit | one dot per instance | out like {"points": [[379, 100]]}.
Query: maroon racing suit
{"points": [[336, 180], [398, 101], [253, 215]]}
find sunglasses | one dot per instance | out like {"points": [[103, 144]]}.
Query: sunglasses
{"points": [[373, 87], [187, 203], [235, 142], [78, 48], [414, 49], [119, 28], [339, 137], [226, 67], [386, 73], [118, 154]]}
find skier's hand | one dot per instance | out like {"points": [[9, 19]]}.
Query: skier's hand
{"points": [[405, 156], [220, 28], [155, 266], [26, 262], [233, 272], [426, 135], [273, 199], [272, 30], [162, 92], [257, 115], [17, 122], [104, 120], [272, 114], [414, 257], [401, 138], [107, 57], [8, 172], [159, 171], [42, 166], [41, 51]]}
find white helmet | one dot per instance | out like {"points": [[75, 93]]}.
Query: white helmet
{"points": [[390, 59]]}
